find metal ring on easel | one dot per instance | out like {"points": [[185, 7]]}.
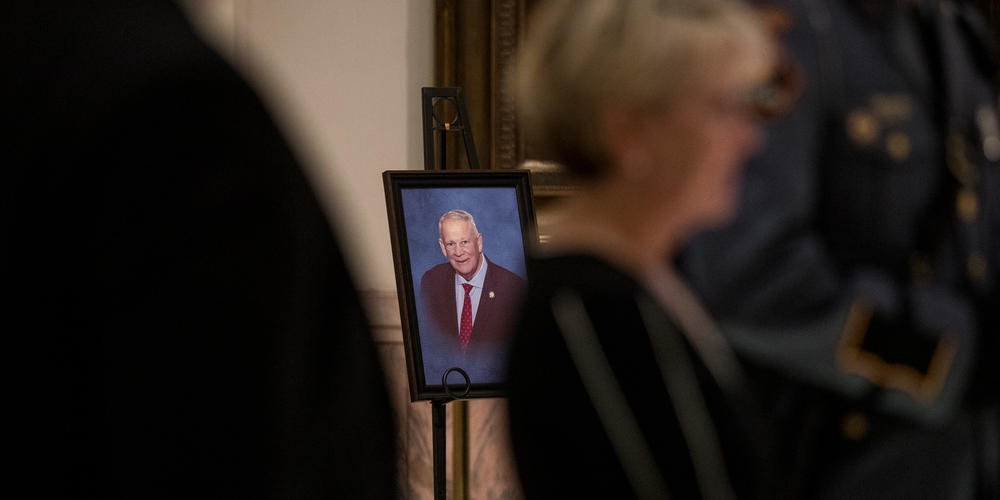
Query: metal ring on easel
{"points": [[447, 390], [439, 123]]}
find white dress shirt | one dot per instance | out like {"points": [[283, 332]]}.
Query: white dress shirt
{"points": [[474, 294]]}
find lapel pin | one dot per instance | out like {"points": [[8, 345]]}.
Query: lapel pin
{"points": [[862, 127], [492, 294], [898, 146]]}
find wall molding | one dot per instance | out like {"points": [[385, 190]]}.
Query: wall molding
{"points": [[382, 308]]}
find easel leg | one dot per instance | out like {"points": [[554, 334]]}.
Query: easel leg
{"points": [[460, 449], [438, 435]]}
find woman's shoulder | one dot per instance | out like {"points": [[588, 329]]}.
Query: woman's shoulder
{"points": [[607, 298], [578, 273]]}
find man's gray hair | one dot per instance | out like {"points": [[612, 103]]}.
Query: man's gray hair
{"points": [[457, 215]]}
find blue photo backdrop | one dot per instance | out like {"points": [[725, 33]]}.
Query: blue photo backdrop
{"points": [[495, 211]]}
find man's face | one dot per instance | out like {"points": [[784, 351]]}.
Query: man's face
{"points": [[462, 246]]}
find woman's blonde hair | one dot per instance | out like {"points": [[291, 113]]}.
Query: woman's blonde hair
{"points": [[583, 56]]}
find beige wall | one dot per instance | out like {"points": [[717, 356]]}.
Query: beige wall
{"points": [[343, 77]]}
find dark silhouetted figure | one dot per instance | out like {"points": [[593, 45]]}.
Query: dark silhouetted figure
{"points": [[181, 323]]}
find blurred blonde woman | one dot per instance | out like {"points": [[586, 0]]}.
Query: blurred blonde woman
{"points": [[620, 385]]}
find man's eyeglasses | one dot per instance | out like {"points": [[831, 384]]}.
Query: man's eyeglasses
{"points": [[464, 244]]}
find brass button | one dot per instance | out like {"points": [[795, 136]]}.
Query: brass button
{"points": [[986, 119], [958, 160], [862, 128], [898, 145], [991, 148], [967, 205], [891, 108], [920, 268], [976, 266], [855, 426]]}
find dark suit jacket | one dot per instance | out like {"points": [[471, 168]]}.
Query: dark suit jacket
{"points": [[494, 317]]}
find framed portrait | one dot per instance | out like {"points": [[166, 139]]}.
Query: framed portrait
{"points": [[458, 244]]}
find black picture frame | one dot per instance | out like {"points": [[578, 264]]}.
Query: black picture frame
{"points": [[414, 198]]}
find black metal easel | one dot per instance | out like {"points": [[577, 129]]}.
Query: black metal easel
{"points": [[439, 432], [436, 122]]}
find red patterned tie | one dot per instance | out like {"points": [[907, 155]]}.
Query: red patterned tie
{"points": [[466, 330]]}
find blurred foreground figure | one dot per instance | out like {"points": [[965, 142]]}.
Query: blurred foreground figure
{"points": [[865, 257], [620, 385], [185, 325]]}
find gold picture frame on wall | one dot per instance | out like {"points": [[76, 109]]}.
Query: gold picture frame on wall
{"points": [[476, 42]]}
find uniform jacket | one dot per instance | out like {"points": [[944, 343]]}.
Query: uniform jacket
{"points": [[871, 221], [881, 187]]}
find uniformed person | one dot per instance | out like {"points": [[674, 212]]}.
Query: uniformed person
{"points": [[865, 256]]}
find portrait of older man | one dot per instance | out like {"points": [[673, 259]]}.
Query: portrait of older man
{"points": [[469, 299]]}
